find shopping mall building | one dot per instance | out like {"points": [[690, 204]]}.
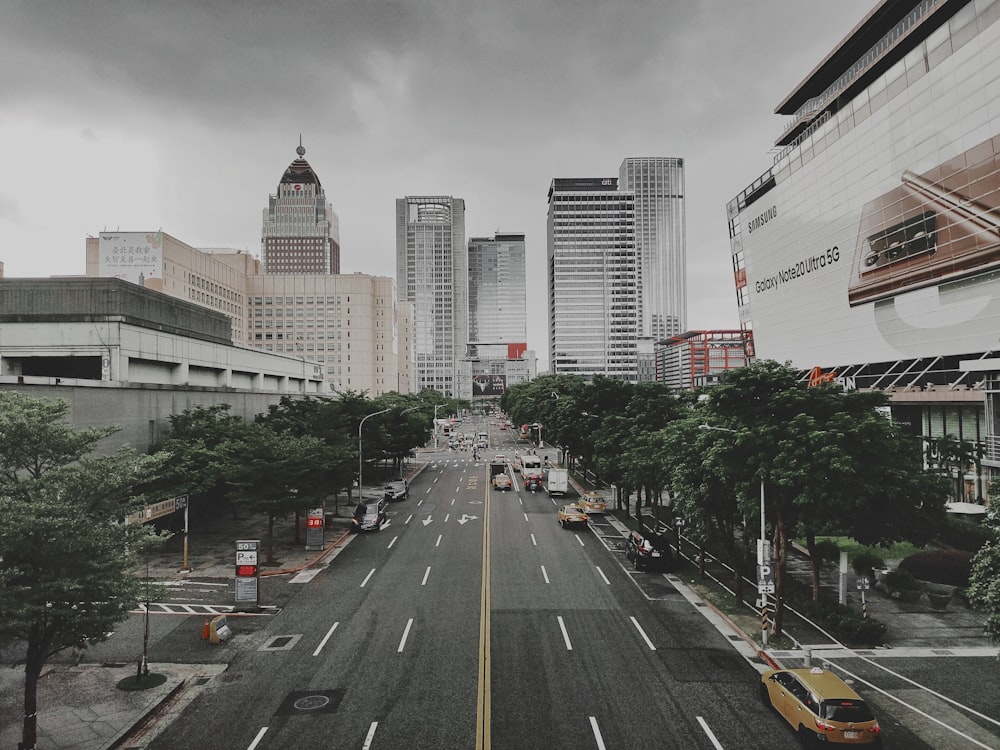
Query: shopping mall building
{"points": [[871, 248]]}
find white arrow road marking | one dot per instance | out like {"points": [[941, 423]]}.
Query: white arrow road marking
{"points": [[427, 520], [466, 517]]}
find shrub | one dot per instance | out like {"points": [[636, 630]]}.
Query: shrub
{"points": [[843, 622], [948, 566], [865, 562], [901, 580], [964, 535], [827, 549]]}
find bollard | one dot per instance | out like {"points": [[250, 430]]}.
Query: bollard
{"points": [[807, 661]]}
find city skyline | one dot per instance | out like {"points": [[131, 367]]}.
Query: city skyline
{"points": [[141, 120]]}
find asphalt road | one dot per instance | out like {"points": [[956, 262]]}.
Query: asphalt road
{"points": [[472, 620]]}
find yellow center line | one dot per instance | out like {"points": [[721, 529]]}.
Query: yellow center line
{"points": [[483, 696]]}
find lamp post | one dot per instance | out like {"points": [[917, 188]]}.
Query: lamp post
{"points": [[361, 495], [761, 545]]}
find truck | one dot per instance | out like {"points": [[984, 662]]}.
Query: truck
{"points": [[528, 462], [499, 477], [557, 482], [483, 440]]}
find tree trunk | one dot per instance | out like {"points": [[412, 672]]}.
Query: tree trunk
{"points": [[638, 506], [270, 539], [298, 529], [33, 663], [815, 563], [780, 556]]}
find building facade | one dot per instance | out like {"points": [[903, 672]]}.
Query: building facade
{"points": [[432, 273], [660, 239], [497, 289], [696, 359], [345, 323], [593, 276], [126, 355], [301, 231], [870, 249]]}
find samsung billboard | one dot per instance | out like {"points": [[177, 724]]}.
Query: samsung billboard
{"points": [[879, 236]]}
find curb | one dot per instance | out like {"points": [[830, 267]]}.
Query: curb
{"points": [[152, 711]]}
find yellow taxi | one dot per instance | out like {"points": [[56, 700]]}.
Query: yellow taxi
{"points": [[820, 707], [592, 502], [570, 515]]}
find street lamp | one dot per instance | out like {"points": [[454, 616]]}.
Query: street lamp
{"points": [[761, 545], [361, 496]]}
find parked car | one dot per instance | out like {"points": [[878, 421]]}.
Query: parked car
{"points": [[820, 707], [502, 481], [397, 491], [646, 553], [369, 515], [592, 502], [570, 515]]}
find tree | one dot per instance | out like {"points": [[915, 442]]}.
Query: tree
{"points": [[67, 560], [277, 473], [829, 460], [984, 579]]}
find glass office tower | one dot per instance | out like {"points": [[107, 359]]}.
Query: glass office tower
{"points": [[432, 273], [593, 270], [658, 185], [497, 291]]}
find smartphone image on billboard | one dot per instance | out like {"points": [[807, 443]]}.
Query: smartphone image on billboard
{"points": [[934, 227]]}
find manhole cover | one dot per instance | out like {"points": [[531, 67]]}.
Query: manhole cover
{"points": [[310, 702]]}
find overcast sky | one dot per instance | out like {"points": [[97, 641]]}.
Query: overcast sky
{"points": [[183, 115]]}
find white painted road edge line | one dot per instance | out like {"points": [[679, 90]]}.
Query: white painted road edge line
{"points": [[426, 574], [367, 577], [370, 736], [406, 633], [597, 733], [708, 731], [257, 739], [326, 637], [643, 634], [562, 627], [601, 574]]}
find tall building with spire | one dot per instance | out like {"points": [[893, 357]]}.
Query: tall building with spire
{"points": [[301, 232]]}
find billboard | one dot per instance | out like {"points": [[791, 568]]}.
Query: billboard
{"points": [[488, 385], [880, 237], [133, 256]]}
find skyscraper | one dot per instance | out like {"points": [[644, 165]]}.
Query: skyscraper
{"points": [[593, 279], [658, 185], [301, 233], [432, 273], [497, 292]]}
